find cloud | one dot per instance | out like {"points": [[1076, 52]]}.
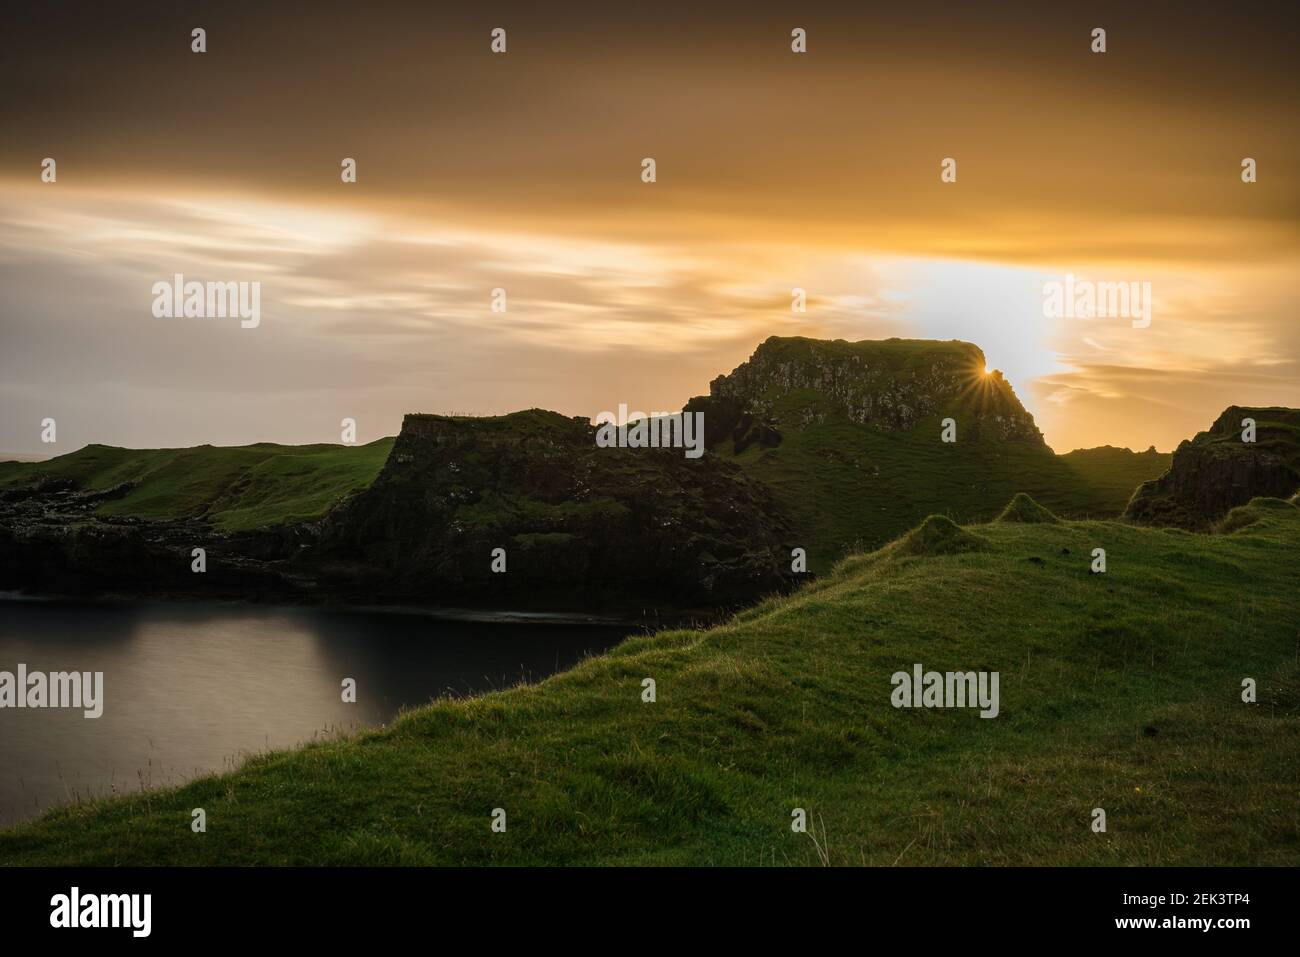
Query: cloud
{"points": [[372, 315], [362, 315]]}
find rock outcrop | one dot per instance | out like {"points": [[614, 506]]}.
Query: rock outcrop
{"points": [[578, 524], [823, 446], [581, 527], [1218, 470], [53, 541], [889, 385]]}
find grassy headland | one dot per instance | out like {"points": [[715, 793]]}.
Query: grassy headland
{"points": [[234, 487]]}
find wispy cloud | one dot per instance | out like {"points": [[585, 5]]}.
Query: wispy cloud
{"points": [[373, 315]]}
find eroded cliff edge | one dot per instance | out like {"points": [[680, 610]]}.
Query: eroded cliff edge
{"points": [[601, 526], [1218, 470]]}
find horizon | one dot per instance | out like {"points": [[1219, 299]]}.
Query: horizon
{"points": [[593, 419], [775, 172]]}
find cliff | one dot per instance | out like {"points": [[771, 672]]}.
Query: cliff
{"points": [[888, 385], [830, 447], [1217, 470], [579, 524], [850, 438]]}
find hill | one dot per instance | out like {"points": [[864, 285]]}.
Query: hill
{"points": [[1218, 470], [1119, 691], [827, 446], [848, 436], [415, 520], [235, 488]]}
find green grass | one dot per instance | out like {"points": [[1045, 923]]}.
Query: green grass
{"points": [[1119, 691], [236, 488], [859, 461], [848, 487], [1108, 476]]}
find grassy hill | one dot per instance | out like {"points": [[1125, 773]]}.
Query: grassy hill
{"points": [[236, 487], [1107, 476], [849, 487], [845, 434], [1118, 690], [859, 458]]}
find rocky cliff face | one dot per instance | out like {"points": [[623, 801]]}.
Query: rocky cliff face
{"points": [[1217, 470], [53, 541], [888, 385], [580, 525]]}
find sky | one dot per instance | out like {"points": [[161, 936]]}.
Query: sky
{"points": [[522, 171]]}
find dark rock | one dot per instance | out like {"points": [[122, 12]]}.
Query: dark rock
{"points": [[1217, 471], [888, 385], [579, 523]]}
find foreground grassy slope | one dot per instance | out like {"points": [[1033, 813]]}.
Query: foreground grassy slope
{"points": [[236, 487], [1119, 690]]}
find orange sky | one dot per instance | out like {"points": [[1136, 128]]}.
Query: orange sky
{"points": [[521, 171]]}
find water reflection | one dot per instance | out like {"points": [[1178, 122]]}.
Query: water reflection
{"points": [[190, 689]]}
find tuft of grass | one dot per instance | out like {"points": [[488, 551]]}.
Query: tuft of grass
{"points": [[1024, 509], [1244, 515], [939, 535]]}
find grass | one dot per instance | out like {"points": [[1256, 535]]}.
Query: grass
{"points": [[1110, 475], [852, 477], [849, 488], [845, 487], [1118, 690], [236, 488]]}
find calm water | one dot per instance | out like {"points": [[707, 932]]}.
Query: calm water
{"points": [[195, 688]]}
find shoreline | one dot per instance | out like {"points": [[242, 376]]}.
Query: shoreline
{"points": [[699, 619]]}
